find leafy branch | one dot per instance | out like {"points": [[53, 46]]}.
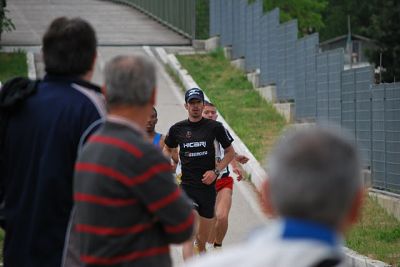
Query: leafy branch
{"points": [[6, 24]]}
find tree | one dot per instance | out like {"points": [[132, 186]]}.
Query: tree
{"points": [[6, 25], [385, 30], [336, 13], [307, 12], [376, 19]]}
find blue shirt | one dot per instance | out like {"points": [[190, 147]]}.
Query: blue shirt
{"points": [[301, 229], [156, 139], [39, 156]]}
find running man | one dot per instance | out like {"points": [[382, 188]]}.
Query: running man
{"points": [[156, 138], [224, 187], [195, 137]]}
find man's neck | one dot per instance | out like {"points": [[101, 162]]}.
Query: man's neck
{"points": [[151, 134], [87, 76], [195, 119], [133, 114]]}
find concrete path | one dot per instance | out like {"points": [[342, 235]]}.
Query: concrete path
{"points": [[116, 24], [121, 29], [245, 214]]}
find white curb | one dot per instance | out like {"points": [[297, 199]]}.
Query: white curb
{"points": [[357, 260]]}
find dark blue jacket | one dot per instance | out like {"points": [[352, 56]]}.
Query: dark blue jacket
{"points": [[40, 150]]}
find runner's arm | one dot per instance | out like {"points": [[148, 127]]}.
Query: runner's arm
{"points": [[236, 169], [242, 159], [229, 155], [162, 142], [210, 175], [171, 153]]}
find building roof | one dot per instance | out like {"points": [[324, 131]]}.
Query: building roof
{"points": [[353, 37]]}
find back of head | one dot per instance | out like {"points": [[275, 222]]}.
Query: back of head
{"points": [[314, 175], [69, 47], [155, 112], [208, 103], [130, 81]]}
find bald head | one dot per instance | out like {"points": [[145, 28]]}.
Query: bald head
{"points": [[130, 81]]}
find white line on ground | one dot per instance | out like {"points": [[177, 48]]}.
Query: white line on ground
{"points": [[251, 198], [100, 61], [171, 84], [148, 51], [31, 65]]}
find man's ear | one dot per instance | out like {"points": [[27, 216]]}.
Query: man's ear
{"points": [[265, 199], [355, 210], [354, 213], [94, 61], [153, 97], [186, 106], [104, 91]]}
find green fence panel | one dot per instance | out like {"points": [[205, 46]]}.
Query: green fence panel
{"points": [[179, 15]]}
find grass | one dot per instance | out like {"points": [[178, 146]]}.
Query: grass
{"points": [[377, 235], [12, 64], [253, 119]]}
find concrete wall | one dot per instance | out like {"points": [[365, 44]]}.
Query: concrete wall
{"points": [[390, 202]]}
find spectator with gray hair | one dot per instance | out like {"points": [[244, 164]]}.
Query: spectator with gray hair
{"points": [[128, 208], [314, 191]]}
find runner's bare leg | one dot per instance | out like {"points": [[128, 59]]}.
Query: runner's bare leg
{"points": [[205, 226], [223, 206]]}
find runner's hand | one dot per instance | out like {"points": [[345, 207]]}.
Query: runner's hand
{"points": [[241, 159], [239, 173], [209, 177]]}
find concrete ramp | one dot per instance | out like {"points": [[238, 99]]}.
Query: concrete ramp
{"points": [[115, 24]]}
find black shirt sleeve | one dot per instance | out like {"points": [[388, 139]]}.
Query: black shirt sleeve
{"points": [[170, 138], [223, 136]]}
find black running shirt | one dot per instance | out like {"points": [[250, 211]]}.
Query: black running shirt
{"points": [[196, 147]]}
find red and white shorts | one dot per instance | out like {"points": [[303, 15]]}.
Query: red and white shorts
{"points": [[224, 182]]}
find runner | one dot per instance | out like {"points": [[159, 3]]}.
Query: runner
{"points": [[156, 138], [224, 187], [195, 138]]}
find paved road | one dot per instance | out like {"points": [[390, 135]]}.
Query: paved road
{"points": [[245, 214], [32, 19], [116, 24]]}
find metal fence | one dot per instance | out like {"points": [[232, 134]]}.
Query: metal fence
{"points": [[287, 37], [306, 77], [329, 67], [226, 22], [179, 15], [269, 47], [253, 51], [317, 81], [386, 136], [356, 98]]}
